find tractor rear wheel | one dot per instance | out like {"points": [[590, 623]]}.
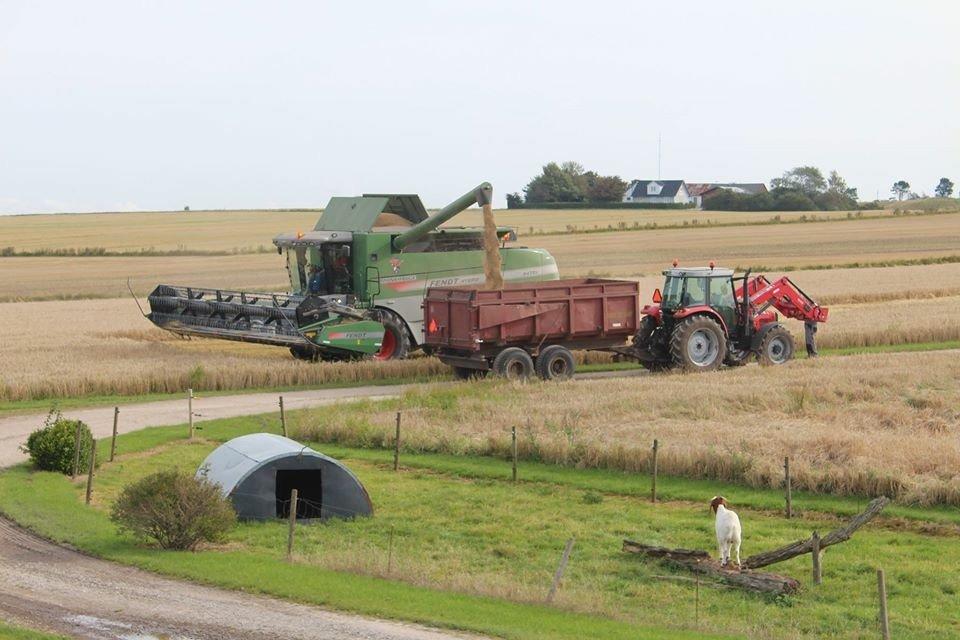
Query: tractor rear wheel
{"points": [[513, 363], [776, 347], [698, 344], [555, 363], [395, 344]]}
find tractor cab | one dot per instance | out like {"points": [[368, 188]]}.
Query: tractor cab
{"points": [[691, 290]]}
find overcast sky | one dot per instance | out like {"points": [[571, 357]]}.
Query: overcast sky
{"points": [[156, 105]]}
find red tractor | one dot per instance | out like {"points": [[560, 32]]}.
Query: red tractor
{"points": [[707, 316]]}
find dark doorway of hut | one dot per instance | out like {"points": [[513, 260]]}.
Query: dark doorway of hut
{"points": [[309, 494]]}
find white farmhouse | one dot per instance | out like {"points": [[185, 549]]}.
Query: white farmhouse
{"points": [[658, 192]]}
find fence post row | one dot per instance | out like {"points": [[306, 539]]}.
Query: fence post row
{"points": [[93, 462], [190, 410], [653, 482], [283, 418], [113, 440], [815, 555], [513, 451], [786, 473], [396, 446], [293, 522], [76, 451], [882, 592], [560, 569]]}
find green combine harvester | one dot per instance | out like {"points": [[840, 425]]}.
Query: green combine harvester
{"points": [[357, 280]]}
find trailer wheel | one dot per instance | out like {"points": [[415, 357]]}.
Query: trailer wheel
{"points": [[396, 341], [469, 373], [555, 363], [698, 344], [513, 364], [776, 347]]}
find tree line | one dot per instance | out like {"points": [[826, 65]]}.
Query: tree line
{"points": [[803, 188], [568, 182], [901, 189]]}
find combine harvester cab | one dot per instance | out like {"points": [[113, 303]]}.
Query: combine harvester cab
{"points": [[357, 280]]}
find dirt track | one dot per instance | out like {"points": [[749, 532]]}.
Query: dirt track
{"points": [[44, 585]]}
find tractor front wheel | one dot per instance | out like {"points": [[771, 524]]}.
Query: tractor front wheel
{"points": [[698, 344], [395, 344], [776, 347]]}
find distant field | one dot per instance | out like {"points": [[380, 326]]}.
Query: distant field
{"points": [[199, 230], [251, 230], [617, 253], [632, 253]]}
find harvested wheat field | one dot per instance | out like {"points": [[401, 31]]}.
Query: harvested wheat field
{"points": [[771, 247], [161, 231], [246, 231], [617, 253], [868, 424], [91, 347]]}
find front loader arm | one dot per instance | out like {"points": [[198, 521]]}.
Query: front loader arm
{"points": [[786, 297]]}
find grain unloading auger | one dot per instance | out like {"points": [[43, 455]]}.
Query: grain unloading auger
{"points": [[357, 280]]}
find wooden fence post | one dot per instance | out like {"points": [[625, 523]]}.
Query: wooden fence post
{"points": [[786, 475], [815, 555], [653, 483], [283, 418], [390, 553], [190, 410], [76, 451], [560, 569], [396, 446], [884, 619], [113, 440], [93, 462], [513, 451], [293, 522], [696, 614]]}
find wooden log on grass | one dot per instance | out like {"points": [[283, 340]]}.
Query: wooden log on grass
{"points": [[700, 562], [836, 536]]}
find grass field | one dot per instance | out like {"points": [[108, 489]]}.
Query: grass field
{"points": [[475, 552], [10, 632], [857, 425]]}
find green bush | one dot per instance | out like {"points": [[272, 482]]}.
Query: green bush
{"points": [[176, 509], [52, 447]]}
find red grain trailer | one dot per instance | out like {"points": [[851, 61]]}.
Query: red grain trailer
{"points": [[528, 328]]}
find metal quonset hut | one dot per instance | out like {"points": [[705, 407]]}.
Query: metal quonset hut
{"points": [[258, 471]]}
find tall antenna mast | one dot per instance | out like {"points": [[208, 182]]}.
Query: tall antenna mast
{"points": [[658, 156]]}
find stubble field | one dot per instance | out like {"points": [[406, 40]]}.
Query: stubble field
{"points": [[66, 348]]}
